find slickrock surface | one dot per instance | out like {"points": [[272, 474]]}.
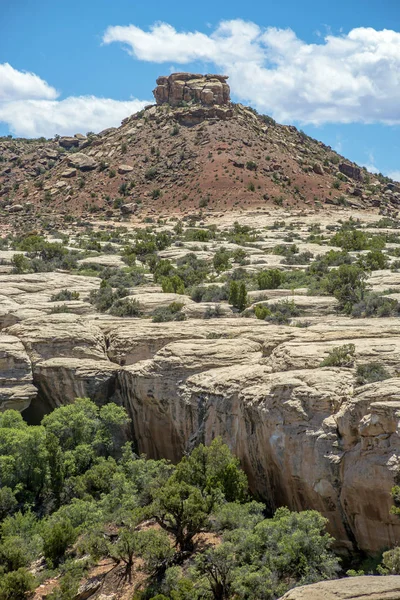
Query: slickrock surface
{"points": [[352, 588]]}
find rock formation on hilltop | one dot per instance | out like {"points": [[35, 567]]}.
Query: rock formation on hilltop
{"points": [[191, 88]]}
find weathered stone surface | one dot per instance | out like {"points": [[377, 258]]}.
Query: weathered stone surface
{"points": [[16, 388], [351, 171], [124, 169], [181, 88], [69, 173], [60, 335], [350, 588], [318, 169], [81, 161], [61, 380], [68, 142]]}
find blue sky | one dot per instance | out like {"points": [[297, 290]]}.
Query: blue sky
{"points": [[332, 69]]}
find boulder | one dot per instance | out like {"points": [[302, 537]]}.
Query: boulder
{"points": [[82, 161], [124, 169], [68, 173], [318, 169], [68, 142], [351, 171]]}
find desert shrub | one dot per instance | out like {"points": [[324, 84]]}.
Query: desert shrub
{"points": [[20, 263], [340, 356], [221, 260], [211, 293], [374, 305], [151, 173], [172, 285], [370, 372], [105, 297], [347, 284], [301, 258], [64, 295], [199, 235], [270, 279], [192, 270], [173, 312], [262, 312], [125, 307], [213, 312], [60, 308], [283, 312], [374, 260], [391, 561]]}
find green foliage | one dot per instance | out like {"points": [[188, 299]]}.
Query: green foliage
{"points": [[347, 284], [350, 238], [173, 312], [238, 295], [270, 279], [221, 260], [57, 537], [20, 263], [340, 356], [16, 585], [125, 307], [280, 312], [370, 372], [374, 260], [64, 295], [172, 285], [391, 561], [374, 305]]}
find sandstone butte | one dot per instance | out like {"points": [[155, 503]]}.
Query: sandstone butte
{"points": [[307, 436]]}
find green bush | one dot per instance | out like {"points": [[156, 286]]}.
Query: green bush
{"points": [[270, 279], [172, 285], [340, 356], [57, 537], [283, 312], [347, 284], [169, 313], [16, 585], [374, 305], [370, 372], [64, 295], [238, 295], [221, 260], [125, 307]]}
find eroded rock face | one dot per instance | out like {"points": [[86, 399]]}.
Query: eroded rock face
{"points": [[351, 588], [191, 88], [16, 380]]}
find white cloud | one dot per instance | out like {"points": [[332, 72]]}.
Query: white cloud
{"points": [[353, 77], [35, 118], [30, 107], [394, 175], [17, 85]]}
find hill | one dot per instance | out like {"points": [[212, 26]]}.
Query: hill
{"points": [[192, 150]]}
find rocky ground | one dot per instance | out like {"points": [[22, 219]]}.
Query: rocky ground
{"points": [[309, 436]]}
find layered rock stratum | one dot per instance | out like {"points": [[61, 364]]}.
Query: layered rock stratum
{"points": [[307, 436]]}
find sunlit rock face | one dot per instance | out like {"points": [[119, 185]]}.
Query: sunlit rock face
{"points": [[190, 88]]}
